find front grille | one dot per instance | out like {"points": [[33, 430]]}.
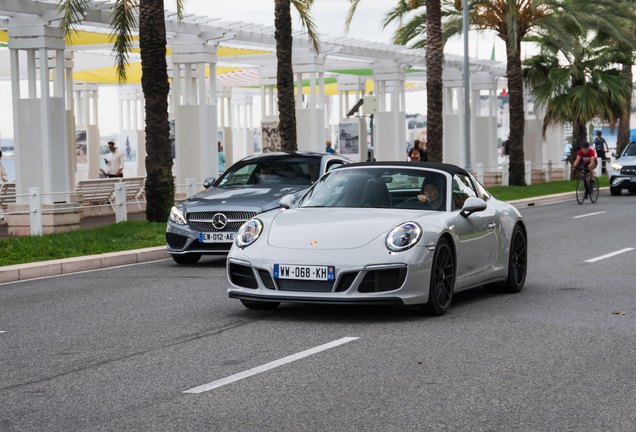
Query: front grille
{"points": [[267, 279], [212, 247], [242, 217], [176, 241], [304, 285], [382, 280], [242, 276], [629, 170], [345, 281]]}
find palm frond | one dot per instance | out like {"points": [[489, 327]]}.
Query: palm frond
{"points": [[72, 12], [303, 7], [397, 14], [124, 20], [350, 14]]}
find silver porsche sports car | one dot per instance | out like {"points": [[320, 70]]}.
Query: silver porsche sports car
{"points": [[391, 233]]}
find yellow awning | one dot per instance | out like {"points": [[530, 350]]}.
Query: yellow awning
{"points": [[82, 38], [108, 75]]}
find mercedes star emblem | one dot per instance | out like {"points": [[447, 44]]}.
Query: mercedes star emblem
{"points": [[219, 221]]}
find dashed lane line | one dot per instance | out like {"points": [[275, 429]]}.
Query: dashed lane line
{"points": [[268, 366], [609, 255], [589, 214]]}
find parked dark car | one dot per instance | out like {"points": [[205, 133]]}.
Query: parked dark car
{"points": [[207, 222]]}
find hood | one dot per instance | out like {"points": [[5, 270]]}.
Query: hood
{"points": [[334, 228], [259, 199]]}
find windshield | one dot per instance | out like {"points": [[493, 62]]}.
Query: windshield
{"points": [[401, 188], [630, 150], [271, 172]]}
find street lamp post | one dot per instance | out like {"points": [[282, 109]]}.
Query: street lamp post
{"points": [[466, 90]]}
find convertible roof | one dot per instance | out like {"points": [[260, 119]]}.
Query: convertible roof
{"points": [[451, 169]]}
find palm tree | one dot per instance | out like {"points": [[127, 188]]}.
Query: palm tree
{"points": [[624, 127], [514, 20], [154, 81], [284, 70], [577, 82], [430, 23]]}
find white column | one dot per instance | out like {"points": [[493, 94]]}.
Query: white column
{"points": [[321, 82], [176, 84], [33, 93]]}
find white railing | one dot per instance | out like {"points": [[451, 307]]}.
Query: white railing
{"points": [[502, 172], [35, 211]]}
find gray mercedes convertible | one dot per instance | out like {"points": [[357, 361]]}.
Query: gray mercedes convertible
{"points": [[207, 222]]}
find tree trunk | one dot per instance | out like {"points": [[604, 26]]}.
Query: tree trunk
{"points": [[624, 124], [434, 83], [285, 75], [517, 114], [154, 81]]}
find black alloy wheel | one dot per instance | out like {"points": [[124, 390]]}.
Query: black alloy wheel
{"points": [[258, 305], [442, 285], [594, 186], [518, 261], [186, 258]]}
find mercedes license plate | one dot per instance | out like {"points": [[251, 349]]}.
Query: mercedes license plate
{"points": [[323, 273], [218, 237]]}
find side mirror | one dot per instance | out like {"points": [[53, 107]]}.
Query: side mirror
{"points": [[618, 155], [208, 182], [287, 201], [473, 205]]}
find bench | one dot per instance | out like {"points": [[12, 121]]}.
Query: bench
{"points": [[96, 192], [135, 189], [6, 190]]}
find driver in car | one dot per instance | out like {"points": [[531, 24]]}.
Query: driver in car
{"points": [[431, 194]]}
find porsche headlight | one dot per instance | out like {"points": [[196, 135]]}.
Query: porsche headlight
{"points": [[249, 233], [177, 217], [403, 237], [617, 167]]}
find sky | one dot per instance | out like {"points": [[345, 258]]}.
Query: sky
{"points": [[329, 17]]}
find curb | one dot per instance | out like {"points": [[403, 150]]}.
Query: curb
{"points": [[550, 199], [64, 266]]}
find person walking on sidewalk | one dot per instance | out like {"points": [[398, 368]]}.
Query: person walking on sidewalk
{"points": [[600, 145], [115, 164], [3, 173], [222, 159]]}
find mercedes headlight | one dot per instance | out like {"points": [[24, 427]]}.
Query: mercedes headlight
{"points": [[249, 232], [177, 217], [403, 237], [617, 167]]}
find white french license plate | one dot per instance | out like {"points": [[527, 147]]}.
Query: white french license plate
{"points": [[220, 237], [284, 271], [633, 179]]}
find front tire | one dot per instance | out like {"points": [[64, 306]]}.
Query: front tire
{"points": [[442, 285], [580, 191], [186, 259], [258, 305], [615, 191]]}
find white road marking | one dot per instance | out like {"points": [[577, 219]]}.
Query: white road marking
{"points": [[589, 214], [1, 331], [609, 255], [268, 366]]}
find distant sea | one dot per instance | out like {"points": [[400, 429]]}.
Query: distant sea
{"points": [[9, 166]]}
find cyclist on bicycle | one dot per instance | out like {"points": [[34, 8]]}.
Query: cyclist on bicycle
{"points": [[588, 156]]}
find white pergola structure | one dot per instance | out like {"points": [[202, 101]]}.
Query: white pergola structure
{"points": [[194, 43]]}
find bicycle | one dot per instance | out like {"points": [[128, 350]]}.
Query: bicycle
{"points": [[585, 187]]}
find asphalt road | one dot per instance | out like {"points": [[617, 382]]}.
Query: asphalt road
{"points": [[116, 349]]}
